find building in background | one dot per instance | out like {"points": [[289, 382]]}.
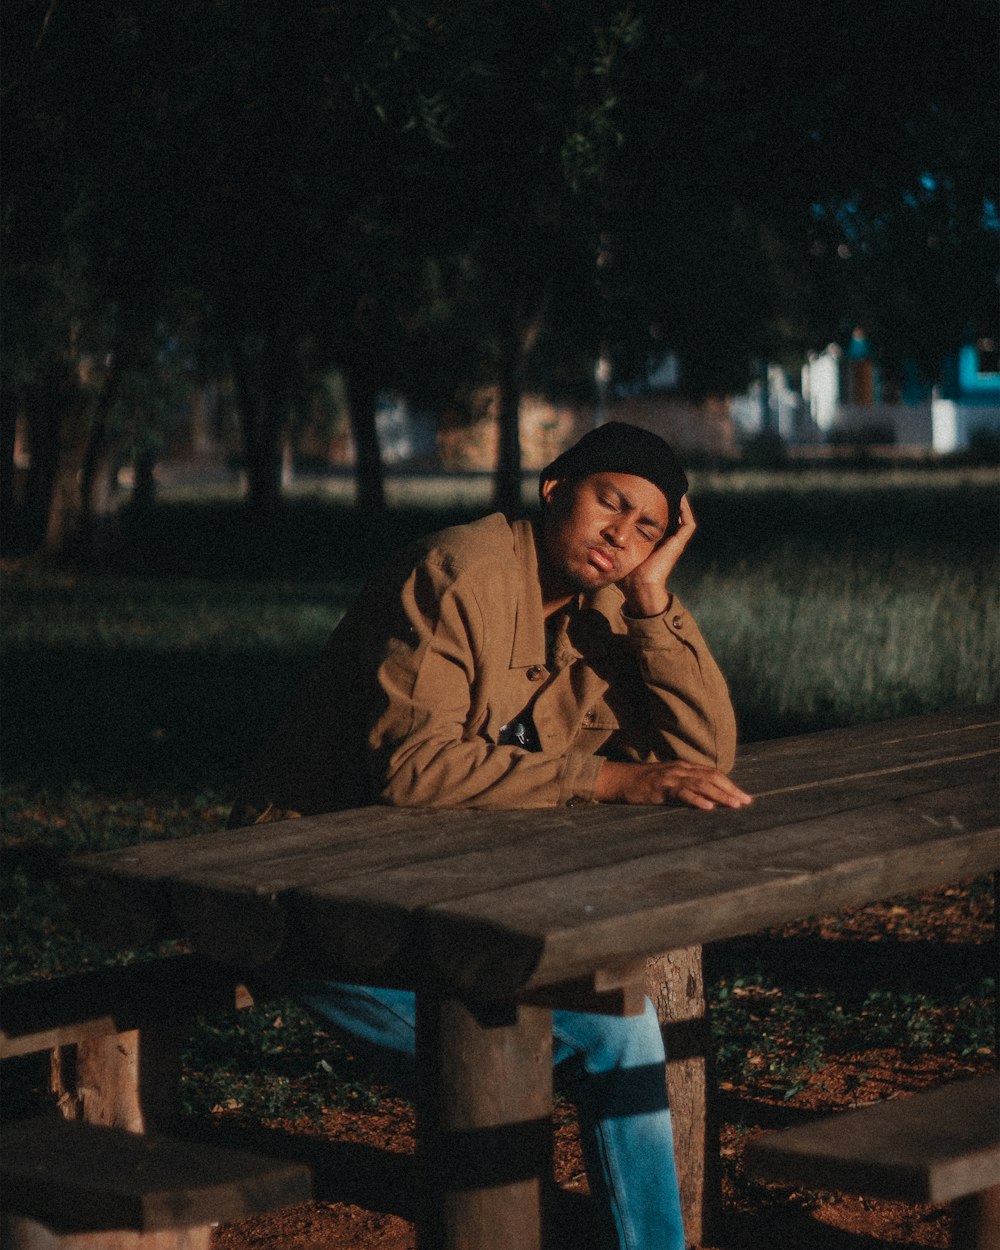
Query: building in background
{"points": [[841, 398]]}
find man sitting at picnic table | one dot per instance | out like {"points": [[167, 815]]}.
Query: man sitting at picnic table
{"points": [[508, 665]]}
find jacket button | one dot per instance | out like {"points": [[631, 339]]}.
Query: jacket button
{"points": [[590, 716], [677, 622], [534, 673]]}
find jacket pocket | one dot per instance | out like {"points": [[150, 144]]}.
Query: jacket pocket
{"points": [[600, 717]]}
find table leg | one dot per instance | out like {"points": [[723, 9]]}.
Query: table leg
{"points": [[675, 982], [120, 1080], [484, 1124]]}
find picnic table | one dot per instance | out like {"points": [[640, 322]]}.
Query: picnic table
{"points": [[494, 918]]}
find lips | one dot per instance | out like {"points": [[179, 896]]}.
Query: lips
{"points": [[601, 559]]}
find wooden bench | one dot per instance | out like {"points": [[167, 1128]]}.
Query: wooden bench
{"points": [[92, 1022], [96, 1177], [941, 1146], [73, 1186]]}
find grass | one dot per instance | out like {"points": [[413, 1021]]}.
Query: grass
{"points": [[134, 696]]}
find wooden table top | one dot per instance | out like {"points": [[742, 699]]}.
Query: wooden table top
{"points": [[492, 903]]}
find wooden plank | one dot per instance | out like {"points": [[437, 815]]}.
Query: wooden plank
{"points": [[362, 891], [354, 913], [41, 1015], [617, 875], [608, 991], [934, 1146], [78, 1176], [556, 928], [946, 733], [365, 921], [290, 854], [18, 1232]]}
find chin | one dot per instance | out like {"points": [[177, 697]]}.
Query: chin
{"points": [[588, 579]]}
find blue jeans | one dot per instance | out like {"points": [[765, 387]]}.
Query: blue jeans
{"points": [[613, 1068]]}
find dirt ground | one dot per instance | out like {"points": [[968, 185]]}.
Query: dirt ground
{"points": [[364, 1161]]}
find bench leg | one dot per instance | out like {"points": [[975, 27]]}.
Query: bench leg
{"points": [[484, 1125], [119, 1080], [17, 1232], [675, 982], [976, 1221]]}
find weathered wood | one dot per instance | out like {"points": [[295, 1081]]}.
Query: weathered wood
{"points": [[934, 1146], [78, 1177], [801, 843], [675, 983], [555, 928], [40, 1015], [117, 1082], [294, 854], [100, 1070], [608, 992], [493, 905], [484, 1117]]}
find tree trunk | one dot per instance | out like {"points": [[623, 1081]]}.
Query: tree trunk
{"points": [[507, 481], [8, 433], [43, 404], [97, 486], [519, 338], [362, 394], [263, 412], [675, 982], [66, 501], [144, 482]]}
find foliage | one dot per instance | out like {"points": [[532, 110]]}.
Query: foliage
{"points": [[783, 179], [431, 194], [270, 1061], [772, 1037]]}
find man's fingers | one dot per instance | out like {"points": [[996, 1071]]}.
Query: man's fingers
{"points": [[693, 798], [710, 786]]}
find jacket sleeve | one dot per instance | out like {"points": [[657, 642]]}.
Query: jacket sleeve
{"points": [[426, 745], [688, 711]]}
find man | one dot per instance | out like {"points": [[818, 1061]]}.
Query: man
{"points": [[517, 665]]}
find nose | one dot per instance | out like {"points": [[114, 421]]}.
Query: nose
{"points": [[612, 535]]}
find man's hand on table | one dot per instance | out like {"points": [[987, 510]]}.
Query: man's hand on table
{"points": [[697, 785]]}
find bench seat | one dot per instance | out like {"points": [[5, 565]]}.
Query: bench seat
{"points": [[940, 1146], [63, 1180], [64, 1011]]}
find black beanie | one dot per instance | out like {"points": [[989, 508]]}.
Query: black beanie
{"points": [[619, 448]]}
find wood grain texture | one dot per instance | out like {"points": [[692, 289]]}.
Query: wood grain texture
{"points": [[484, 1126], [80, 1176], [934, 1146], [494, 903], [675, 983]]}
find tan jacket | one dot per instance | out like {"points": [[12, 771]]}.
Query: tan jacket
{"points": [[445, 648]]}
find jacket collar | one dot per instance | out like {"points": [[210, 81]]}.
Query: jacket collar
{"points": [[528, 647]]}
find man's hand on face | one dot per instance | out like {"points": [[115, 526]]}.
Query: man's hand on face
{"points": [[645, 588], [697, 785]]}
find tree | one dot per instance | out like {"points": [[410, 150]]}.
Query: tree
{"points": [[85, 279], [785, 178]]}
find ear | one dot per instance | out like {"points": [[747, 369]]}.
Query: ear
{"points": [[548, 489]]}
